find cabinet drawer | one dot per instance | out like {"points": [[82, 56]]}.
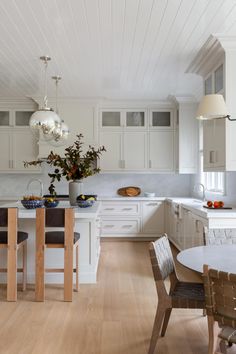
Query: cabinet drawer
{"points": [[110, 227], [120, 208]]}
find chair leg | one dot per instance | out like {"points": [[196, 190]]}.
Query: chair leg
{"points": [[156, 328], [12, 274], [77, 268], [24, 275], [166, 321], [213, 336], [223, 347], [39, 256]]}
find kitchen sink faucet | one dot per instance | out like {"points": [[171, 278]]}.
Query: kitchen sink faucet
{"points": [[36, 180], [203, 190]]}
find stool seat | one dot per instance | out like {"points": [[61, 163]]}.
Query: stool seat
{"points": [[57, 237], [21, 236]]}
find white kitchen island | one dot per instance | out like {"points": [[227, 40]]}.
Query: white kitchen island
{"points": [[86, 223]]}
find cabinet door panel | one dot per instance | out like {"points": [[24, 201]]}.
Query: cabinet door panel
{"points": [[5, 153], [135, 150], [153, 217], [24, 148], [162, 151], [112, 158]]}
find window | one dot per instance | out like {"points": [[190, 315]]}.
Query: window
{"points": [[213, 181]]}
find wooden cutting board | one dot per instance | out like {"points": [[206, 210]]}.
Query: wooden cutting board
{"points": [[130, 191]]}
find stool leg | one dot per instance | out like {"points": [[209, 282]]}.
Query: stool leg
{"points": [[24, 276], [77, 268], [12, 255], [39, 262], [68, 254]]}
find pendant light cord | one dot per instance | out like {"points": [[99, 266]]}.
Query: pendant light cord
{"points": [[45, 99]]}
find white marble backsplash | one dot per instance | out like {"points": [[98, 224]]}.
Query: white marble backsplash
{"points": [[101, 184]]}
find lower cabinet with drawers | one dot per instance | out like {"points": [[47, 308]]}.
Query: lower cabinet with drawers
{"points": [[132, 218]]}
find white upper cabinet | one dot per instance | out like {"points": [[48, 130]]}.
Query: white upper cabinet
{"points": [[112, 159], [161, 151], [161, 119], [137, 139], [218, 71], [17, 141], [135, 151], [186, 136], [124, 118]]}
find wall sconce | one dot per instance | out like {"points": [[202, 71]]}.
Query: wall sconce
{"points": [[213, 107]]}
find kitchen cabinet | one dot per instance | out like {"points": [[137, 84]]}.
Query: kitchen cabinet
{"points": [[135, 150], [17, 142], [161, 151], [137, 140], [161, 119], [214, 145], [153, 217], [186, 136], [116, 119], [112, 159], [218, 73], [125, 218]]}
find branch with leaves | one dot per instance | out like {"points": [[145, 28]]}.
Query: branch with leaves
{"points": [[75, 165]]}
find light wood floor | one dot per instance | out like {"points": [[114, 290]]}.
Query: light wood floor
{"points": [[112, 317]]}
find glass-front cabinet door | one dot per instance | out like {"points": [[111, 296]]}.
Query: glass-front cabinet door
{"points": [[22, 118], [135, 119], [4, 118], [111, 119], [161, 119]]}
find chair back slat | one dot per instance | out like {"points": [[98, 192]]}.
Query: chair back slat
{"points": [[161, 258], [220, 293], [3, 217], [55, 217]]}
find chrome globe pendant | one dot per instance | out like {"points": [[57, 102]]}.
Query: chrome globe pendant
{"points": [[44, 119], [59, 135]]}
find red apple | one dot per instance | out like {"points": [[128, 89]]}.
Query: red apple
{"points": [[221, 204], [209, 204], [216, 204]]}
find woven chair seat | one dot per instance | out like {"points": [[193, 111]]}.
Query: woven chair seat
{"points": [[188, 295], [228, 334], [21, 236]]}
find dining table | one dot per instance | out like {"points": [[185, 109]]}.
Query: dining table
{"points": [[220, 257]]}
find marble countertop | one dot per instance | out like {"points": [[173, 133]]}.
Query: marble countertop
{"points": [[80, 213]]}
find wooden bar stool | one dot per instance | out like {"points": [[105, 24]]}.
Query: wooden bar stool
{"points": [[67, 239], [13, 240]]}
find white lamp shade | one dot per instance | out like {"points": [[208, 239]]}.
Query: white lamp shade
{"points": [[212, 107], [45, 120]]}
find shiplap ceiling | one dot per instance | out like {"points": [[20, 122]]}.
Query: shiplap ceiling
{"points": [[119, 49]]}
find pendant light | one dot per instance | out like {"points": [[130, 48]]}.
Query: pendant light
{"points": [[59, 135], [44, 119]]}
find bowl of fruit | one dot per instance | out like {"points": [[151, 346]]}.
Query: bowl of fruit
{"points": [[85, 200], [32, 202], [51, 202], [217, 204]]}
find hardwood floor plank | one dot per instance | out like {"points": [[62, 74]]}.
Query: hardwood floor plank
{"points": [[114, 316]]}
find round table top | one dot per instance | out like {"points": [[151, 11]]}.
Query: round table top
{"points": [[221, 257]]}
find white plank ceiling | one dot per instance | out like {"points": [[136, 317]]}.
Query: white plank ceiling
{"points": [[118, 49]]}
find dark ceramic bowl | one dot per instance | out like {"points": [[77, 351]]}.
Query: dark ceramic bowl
{"points": [[85, 203], [49, 204], [32, 204]]}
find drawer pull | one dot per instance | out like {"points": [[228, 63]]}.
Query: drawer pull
{"points": [[127, 226], [152, 204], [126, 209], [109, 226], [109, 209]]}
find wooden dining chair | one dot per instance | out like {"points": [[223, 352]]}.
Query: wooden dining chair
{"points": [[66, 239], [13, 240], [220, 297], [181, 294]]}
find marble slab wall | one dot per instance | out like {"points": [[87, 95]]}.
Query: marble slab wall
{"points": [[101, 184]]}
